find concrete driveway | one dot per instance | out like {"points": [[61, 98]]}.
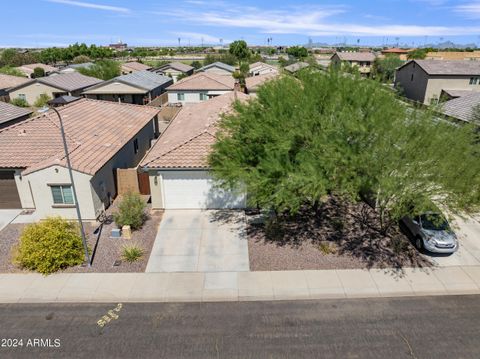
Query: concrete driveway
{"points": [[7, 216], [468, 254], [200, 241]]}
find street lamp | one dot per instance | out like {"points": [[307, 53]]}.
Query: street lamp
{"points": [[52, 103]]}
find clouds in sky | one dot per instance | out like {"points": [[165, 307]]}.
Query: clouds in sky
{"points": [[91, 5]]}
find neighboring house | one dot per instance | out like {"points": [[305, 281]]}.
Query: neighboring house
{"points": [[363, 61], [10, 114], [174, 70], [424, 80], [119, 46], [137, 88], [454, 55], [293, 68], [7, 82], [261, 68], [252, 84], [199, 87], [462, 108], [218, 68], [27, 70], [130, 67], [101, 137], [177, 164], [401, 53], [55, 85], [75, 67], [448, 94]]}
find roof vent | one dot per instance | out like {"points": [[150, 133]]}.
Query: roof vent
{"points": [[22, 132]]}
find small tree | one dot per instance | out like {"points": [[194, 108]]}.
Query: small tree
{"points": [[417, 54], [49, 246], [384, 69], [81, 59], [131, 211], [42, 100], [38, 72], [196, 65], [20, 102], [240, 50], [299, 52]]}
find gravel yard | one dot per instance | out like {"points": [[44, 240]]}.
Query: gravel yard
{"points": [[107, 252], [337, 236]]}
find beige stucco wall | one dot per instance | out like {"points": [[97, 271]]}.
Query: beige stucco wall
{"points": [[114, 88], [437, 83], [156, 186], [33, 91], [192, 96]]}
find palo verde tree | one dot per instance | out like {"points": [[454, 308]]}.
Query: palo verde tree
{"points": [[384, 69], [328, 133], [103, 69]]}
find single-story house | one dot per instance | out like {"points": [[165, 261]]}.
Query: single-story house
{"points": [[177, 163], [133, 66], [10, 114], [75, 67], [55, 85], [293, 68], [137, 88], [218, 68], [463, 107], [27, 70], [401, 53], [200, 87], [7, 82], [363, 61], [174, 70], [252, 84], [101, 136], [424, 80], [261, 68]]}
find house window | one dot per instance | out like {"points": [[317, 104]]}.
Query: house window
{"points": [[135, 145], [203, 96], [180, 96], [22, 96], [62, 194], [411, 78], [474, 80]]}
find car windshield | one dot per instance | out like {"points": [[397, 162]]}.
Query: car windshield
{"points": [[434, 222]]}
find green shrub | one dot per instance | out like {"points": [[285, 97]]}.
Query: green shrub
{"points": [[20, 102], [50, 245], [132, 253], [131, 211], [42, 100], [38, 72], [327, 248]]}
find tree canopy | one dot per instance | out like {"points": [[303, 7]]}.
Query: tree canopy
{"points": [[299, 52], [240, 50], [327, 133], [104, 69], [384, 69]]}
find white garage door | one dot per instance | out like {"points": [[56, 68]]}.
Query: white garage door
{"points": [[196, 190]]}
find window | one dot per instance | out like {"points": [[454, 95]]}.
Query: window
{"points": [[180, 96], [203, 96], [22, 96], [62, 194], [411, 78], [135, 145], [474, 80]]}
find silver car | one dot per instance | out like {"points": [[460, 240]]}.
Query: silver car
{"points": [[432, 232]]}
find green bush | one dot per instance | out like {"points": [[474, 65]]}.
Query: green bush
{"points": [[38, 72], [20, 102], [50, 245], [42, 100], [132, 253], [131, 211]]}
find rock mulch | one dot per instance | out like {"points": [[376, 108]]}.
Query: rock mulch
{"points": [[338, 235]]}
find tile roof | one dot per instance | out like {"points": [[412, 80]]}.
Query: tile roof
{"points": [[204, 81], [145, 80], [10, 112], [462, 107], [441, 67], [69, 81], [296, 66], [95, 130], [254, 82], [356, 56], [219, 65], [395, 50], [8, 81], [187, 142], [28, 69], [135, 66], [179, 66], [457, 93], [262, 64]]}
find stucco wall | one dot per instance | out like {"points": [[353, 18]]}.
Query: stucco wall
{"points": [[33, 91], [415, 88], [437, 83], [191, 96]]}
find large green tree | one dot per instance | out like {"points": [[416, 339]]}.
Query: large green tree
{"points": [[320, 134], [299, 52], [240, 50], [384, 69], [103, 69]]}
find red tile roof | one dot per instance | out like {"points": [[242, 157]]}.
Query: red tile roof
{"points": [[95, 130], [187, 142]]}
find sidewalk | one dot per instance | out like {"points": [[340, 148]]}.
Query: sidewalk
{"points": [[237, 286]]}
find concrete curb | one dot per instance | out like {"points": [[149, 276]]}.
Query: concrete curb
{"points": [[237, 286]]}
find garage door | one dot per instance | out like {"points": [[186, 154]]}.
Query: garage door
{"points": [[196, 190], [9, 198]]}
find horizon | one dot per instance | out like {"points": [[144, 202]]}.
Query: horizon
{"points": [[409, 23]]}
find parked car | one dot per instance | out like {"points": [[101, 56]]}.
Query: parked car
{"points": [[432, 232]]}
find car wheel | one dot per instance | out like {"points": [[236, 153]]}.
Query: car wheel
{"points": [[419, 243]]}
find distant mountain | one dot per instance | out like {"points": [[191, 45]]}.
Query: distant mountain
{"points": [[451, 45]]}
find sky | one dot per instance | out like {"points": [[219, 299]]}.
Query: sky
{"points": [[45, 23]]}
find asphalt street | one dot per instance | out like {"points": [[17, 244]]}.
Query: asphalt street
{"points": [[415, 328]]}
